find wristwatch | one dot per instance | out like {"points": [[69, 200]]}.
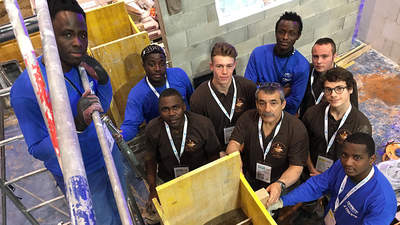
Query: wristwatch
{"points": [[283, 185]]}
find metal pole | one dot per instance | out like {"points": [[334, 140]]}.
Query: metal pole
{"points": [[108, 159], [77, 188], [2, 164], [11, 139]]}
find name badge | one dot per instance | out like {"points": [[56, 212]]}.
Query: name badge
{"points": [[227, 134], [323, 163], [330, 218], [108, 136], [263, 172], [180, 170]]}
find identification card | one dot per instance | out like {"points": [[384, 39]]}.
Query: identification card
{"points": [[330, 218], [180, 170], [263, 172], [227, 134], [323, 163], [108, 136]]}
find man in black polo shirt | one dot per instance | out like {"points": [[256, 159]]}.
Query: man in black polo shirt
{"points": [[178, 141], [323, 59], [274, 144], [328, 124], [225, 97]]}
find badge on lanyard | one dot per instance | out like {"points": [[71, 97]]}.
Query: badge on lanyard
{"points": [[227, 133], [263, 172], [323, 163], [330, 218], [180, 170]]}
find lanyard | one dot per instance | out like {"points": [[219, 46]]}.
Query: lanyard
{"points": [[178, 156], [153, 89], [317, 101], [354, 189], [340, 125], [270, 142], [230, 116]]}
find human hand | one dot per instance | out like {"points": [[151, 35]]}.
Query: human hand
{"points": [[94, 69], [313, 171], [87, 104], [276, 205], [274, 191]]}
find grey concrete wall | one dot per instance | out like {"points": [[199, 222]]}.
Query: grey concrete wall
{"points": [[380, 27], [191, 33]]}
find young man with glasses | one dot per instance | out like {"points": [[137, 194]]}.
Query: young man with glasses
{"points": [[328, 124], [273, 143]]}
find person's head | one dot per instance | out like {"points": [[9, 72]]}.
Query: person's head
{"points": [[323, 54], [287, 31], [270, 102], [358, 155], [338, 86], [223, 62], [154, 64], [172, 107], [70, 30]]}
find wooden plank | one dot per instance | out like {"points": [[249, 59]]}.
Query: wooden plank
{"points": [[341, 57], [354, 55], [121, 59], [102, 29], [202, 194], [252, 206]]}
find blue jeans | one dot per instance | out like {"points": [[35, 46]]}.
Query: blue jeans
{"points": [[104, 204]]}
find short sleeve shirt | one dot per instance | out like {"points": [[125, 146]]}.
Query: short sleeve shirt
{"points": [[201, 145], [314, 121], [289, 147], [202, 102]]}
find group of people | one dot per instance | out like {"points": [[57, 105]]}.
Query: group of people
{"points": [[282, 116]]}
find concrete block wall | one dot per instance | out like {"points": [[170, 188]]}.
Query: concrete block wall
{"points": [[380, 27], [191, 33]]}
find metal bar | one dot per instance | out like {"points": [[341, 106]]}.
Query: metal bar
{"points": [[18, 203], [108, 159], [45, 203], [42, 200], [10, 140], [25, 176], [77, 187], [2, 165], [5, 91]]}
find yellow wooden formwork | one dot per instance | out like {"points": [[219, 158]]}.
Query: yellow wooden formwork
{"points": [[208, 192], [115, 43]]}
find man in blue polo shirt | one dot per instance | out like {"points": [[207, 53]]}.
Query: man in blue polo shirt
{"points": [[142, 104], [281, 62], [360, 193]]}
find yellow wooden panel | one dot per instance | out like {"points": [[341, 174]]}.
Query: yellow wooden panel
{"points": [[9, 50], [252, 206], [121, 59], [108, 23], [202, 194]]}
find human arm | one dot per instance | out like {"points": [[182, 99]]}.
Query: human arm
{"points": [[133, 118], [289, 177], [297, 90], [150, 164], [251, 69], [313, 171], [380, 212]]}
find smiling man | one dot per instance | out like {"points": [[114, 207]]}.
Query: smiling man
{"points": [[323, 59], [360, 193], [273, 143], [226, 96], [329, 124], [70, 30], [281, 62], [177, 141], [142, 103]]}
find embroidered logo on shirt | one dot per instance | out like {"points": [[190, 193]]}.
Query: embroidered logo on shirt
{"points": [[278, 150], [239, 106], [350, 209], [190, 145], [342, 135], [287, 78]]}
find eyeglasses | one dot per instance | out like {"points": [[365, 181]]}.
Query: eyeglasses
{"points": [[338, 90]]}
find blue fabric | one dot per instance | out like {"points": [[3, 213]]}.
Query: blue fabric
{"points": [[142, 104], [264, 66], [372, 204], [104, 204]]}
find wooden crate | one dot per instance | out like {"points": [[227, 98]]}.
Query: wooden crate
{"points": [[208, 192]]}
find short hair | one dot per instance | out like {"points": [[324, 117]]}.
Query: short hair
{"points": [[337, 74], [326, 41], [270, 88], [171, 92], [363, 139], [56, 6], [223, 49], [292, 16], [151, 49]]}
